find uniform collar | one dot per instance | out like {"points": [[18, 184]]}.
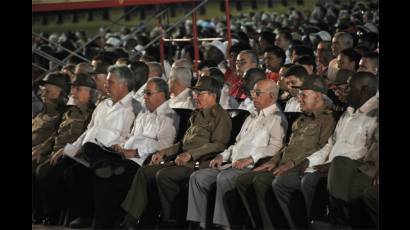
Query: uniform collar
{"points": [[317, 113], [50, 107]]}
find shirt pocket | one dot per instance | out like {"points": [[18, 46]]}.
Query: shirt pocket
{"points": [[310, 136], [77, 127], [150, 129]]}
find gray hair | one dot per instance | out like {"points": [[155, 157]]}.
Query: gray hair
{"points": [[253, 55], [183, 63], [124, 75], [345, 38], [274, 89], [155, 67], [161, 85], [183, 75]]}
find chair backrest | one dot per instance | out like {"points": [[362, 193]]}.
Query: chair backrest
{"points": [[184, 115], [291, 117], [238, 117]]}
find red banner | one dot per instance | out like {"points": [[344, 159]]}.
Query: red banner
{"points": [[58, 5]]}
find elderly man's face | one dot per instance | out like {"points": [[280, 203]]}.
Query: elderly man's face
{"points": [[50, 92], [81, 95], [152, 97], [308, 100], [203, 99], [115, 88], [261, 95], [243, 63]]}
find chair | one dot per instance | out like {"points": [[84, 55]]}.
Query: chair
{"points": [[238, 117], [184, 115]]}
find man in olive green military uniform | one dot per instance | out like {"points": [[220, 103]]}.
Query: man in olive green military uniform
{"points": [[54, 96], [74, 122], [44, 125], [208, 133], [309, 133]]}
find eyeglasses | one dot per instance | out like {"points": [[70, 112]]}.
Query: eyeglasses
{"points": [[198, 93], [258, 93], [241, 62], [149, 94]]}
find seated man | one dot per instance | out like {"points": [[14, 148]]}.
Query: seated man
{"points": [[351, 139], [110, 124], [309, 132], [208, 133], [54, 97], [73, 123], [261, 136], [154, 128], [179, 82]]}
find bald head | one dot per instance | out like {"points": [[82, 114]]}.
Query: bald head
{"points": [[264, 94]]}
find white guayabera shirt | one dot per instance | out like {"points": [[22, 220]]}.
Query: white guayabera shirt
{"points": [[261, 136], [352, 136]]}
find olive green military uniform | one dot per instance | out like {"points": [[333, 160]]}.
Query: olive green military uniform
{"points": [[45, 123], [310, 132], [73, 124], [208, 133]]}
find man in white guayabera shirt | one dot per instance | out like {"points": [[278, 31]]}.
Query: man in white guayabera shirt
{"points": [[110, 124], [262, 135], [179, 82], [352, 137], [155, 128]]}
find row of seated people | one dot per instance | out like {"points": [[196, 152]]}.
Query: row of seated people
{"points": [[115, 184]]}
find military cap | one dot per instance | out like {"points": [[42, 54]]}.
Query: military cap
{"points": [[207, 84], [84, 80], [61, 80], [315, 83], [342, 75]]}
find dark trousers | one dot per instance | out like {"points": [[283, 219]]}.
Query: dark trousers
{"points": [[287, 191], [255, 190], [153, 183], [346, 183], [172, 185], [108, 193], [53, 190], [371, 200], [314, 191]]}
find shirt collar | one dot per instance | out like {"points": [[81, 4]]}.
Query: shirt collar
{"points": [[266, 111], [368, 106], [125, 100], [162, 109], [184, 94]]}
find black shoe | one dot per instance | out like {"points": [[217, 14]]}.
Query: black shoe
{"points": [[129, 223], [322, 225], [107, 171], [80, 222], [49, 221]]}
